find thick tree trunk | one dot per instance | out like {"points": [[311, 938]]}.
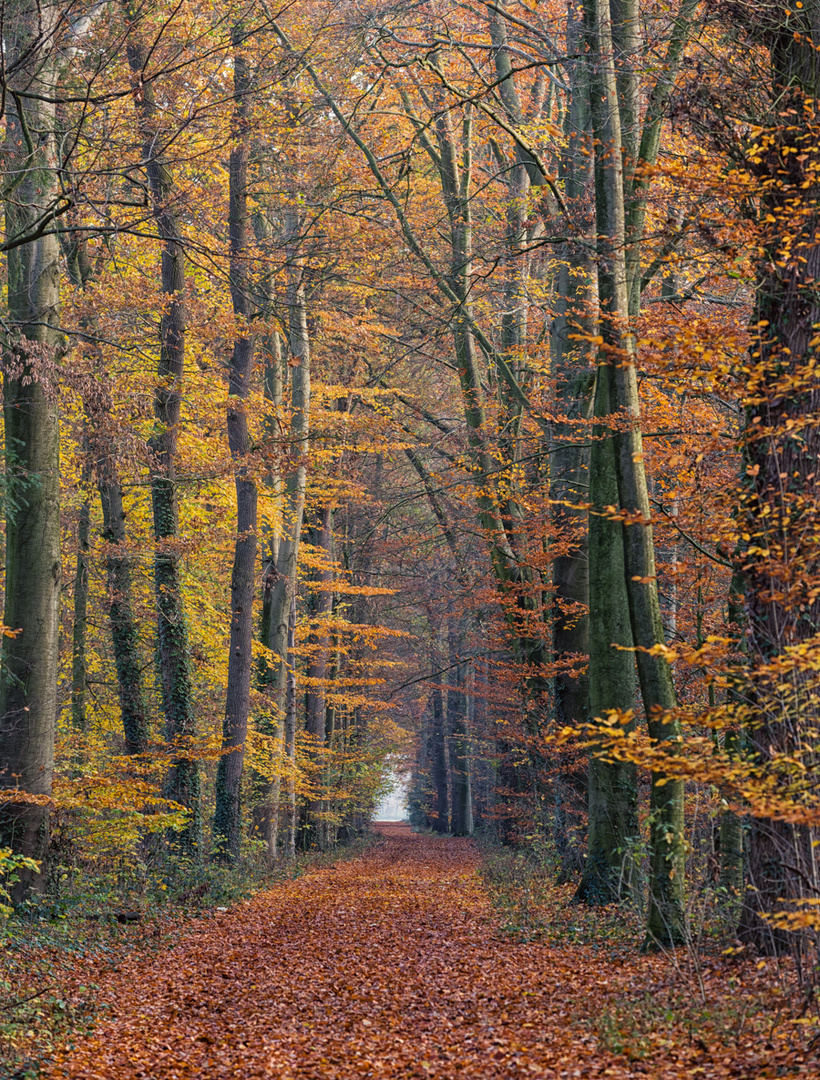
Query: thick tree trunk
{"points": [[28, 683], [666, 919], [573, 367], [183, 782], [227, 815], [781, 450], [609, 875]]}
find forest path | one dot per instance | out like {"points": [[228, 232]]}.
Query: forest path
{"points": [[383, 966]]}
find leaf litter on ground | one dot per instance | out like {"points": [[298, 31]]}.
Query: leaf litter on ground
{"points": [[394, 965]]}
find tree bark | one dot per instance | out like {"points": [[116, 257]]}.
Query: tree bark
{"points": [[79, 626], [228, 815], [461, 810], [666, 918], [28, 685], [183, 782], [781, 448], [438, 762], [124, 630]]}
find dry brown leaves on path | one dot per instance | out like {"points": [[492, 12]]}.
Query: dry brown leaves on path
{"points": [[386, 966]]}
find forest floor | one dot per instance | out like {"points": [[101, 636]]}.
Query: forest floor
{"points": [[394, 965]]}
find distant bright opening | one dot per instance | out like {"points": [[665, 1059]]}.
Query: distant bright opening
{"points": [[393, 807]]}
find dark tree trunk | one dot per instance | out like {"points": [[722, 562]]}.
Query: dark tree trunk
{"points": [[28, 685], [183, 782], [79, 628], [438, 762], [124, 630], [227, 816], [781, 451], [461, 806]]}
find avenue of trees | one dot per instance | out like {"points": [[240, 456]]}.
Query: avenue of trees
{"points": [[424, 383]]}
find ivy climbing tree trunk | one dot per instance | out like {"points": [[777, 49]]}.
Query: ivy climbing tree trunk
{"points": [[32, 346], [183, 782], [227, 816]]}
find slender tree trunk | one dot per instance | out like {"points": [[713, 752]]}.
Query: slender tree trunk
{"points": [[290, 735], [280, 579], [461, 812], [100, 438], [124, 630], [79, 628], [271, 672], [28, 681], [438, 761], [227, 816], [316, 673], [183, 782]]}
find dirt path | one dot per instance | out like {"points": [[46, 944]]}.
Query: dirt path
{"points": [[384, 966]]}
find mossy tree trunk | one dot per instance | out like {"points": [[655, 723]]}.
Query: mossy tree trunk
{"points": [[32, 347], [228, 812], [173, 654]]}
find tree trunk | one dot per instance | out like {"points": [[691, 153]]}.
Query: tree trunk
{"points": [[124, 630], [438, 762], [28, 684], [316, 673], [461, 812], [280, 578], [227, 815], [79, 627], [290, 735], [183, 782], [666, 920], [781, 450], [613, 793]]}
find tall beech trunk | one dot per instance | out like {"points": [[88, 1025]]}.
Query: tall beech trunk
{"points": [[569, 458], [781, 450], [101, 446], [317, 665], [438, 760], [124, 630], [28, 680], [227, 815], [79, 626], [290, 733], [461, 804], [279, 584], [271, 671], [183, 782], [613, 791], [666, 917]]}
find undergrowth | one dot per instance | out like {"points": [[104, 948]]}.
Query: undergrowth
{"points": [[54, 953], [709, 995]]}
